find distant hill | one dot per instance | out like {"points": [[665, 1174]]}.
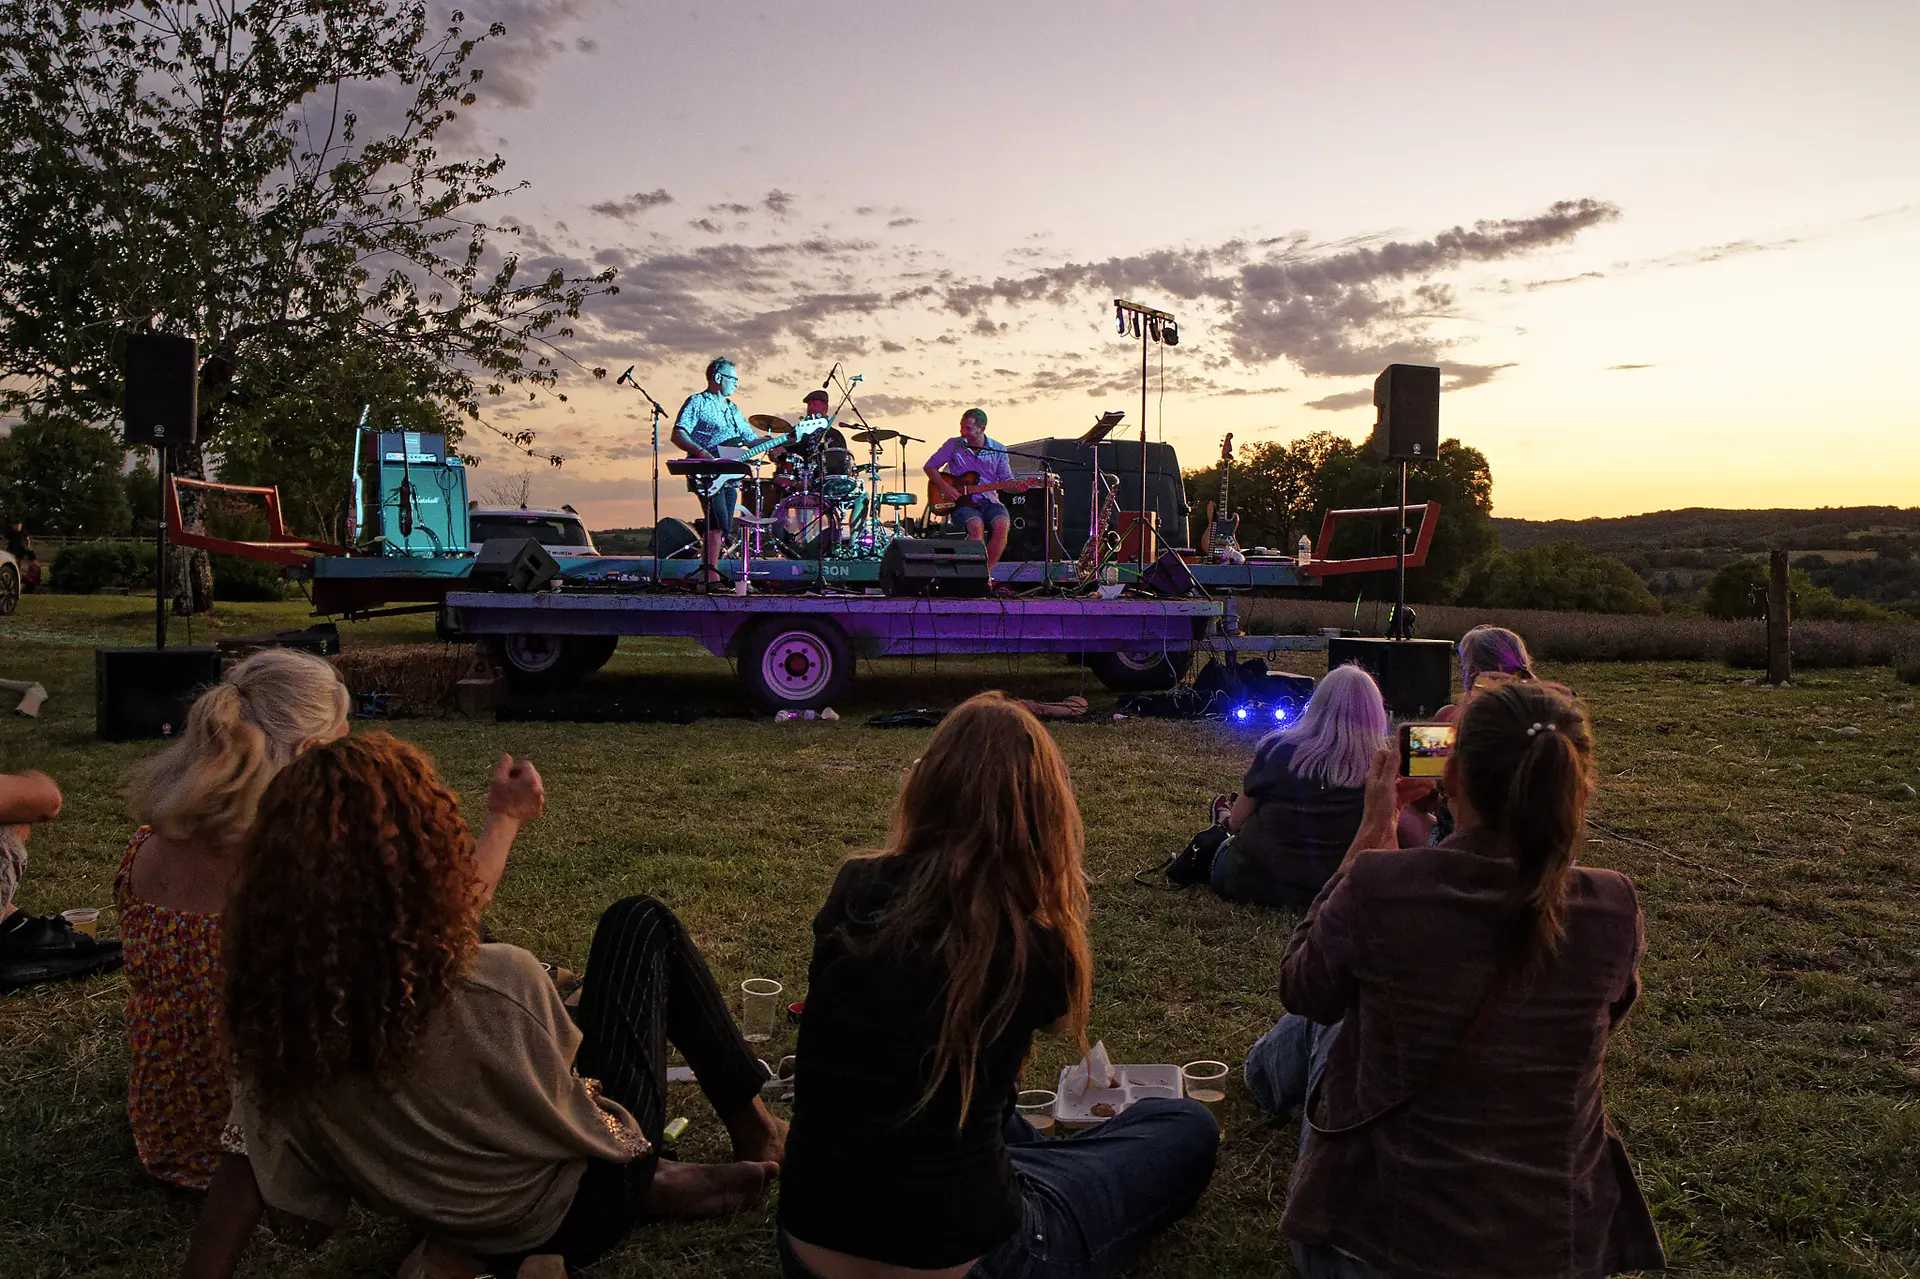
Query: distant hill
{"points": [[1708, 529]]}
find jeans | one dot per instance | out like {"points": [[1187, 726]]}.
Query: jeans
{"points": [[1281, 1071], [978, 507], [1093, 1201]]}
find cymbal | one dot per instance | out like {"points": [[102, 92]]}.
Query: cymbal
{"points": [[879, 435], [769, 423]]}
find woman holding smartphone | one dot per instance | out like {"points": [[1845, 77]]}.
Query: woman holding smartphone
{"points": [[935, 962], [1450, 1013]]}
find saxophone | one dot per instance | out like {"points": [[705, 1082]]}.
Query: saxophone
{"points": [[1103, 542]]}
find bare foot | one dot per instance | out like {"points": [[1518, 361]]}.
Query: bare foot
{"points": [[758, 1134], [707, 1190]]}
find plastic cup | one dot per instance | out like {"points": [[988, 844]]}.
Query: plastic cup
{"points": [[1205, 1082], [85, 919], [1036, 1107], [760, 1009]]}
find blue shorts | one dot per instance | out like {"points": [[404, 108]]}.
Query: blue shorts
{"points": [[720, 507], [981, 506]]}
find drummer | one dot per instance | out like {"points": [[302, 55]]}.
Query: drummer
{"points": [[708, 421], [814, 431]]}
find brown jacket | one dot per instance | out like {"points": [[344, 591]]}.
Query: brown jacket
{"points": [[1503, 1163]]}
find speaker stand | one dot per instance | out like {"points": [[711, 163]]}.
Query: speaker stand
{"points": [[1400, 629], [163, 455]]}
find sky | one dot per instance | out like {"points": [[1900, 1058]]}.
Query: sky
{"points": [[1667, 254]]}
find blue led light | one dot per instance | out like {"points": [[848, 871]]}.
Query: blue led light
{"points": [[1241, 712], [1280, 714]]}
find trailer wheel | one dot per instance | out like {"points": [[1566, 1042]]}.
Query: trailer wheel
{"points": [[552, 663], [9, 589], [792, 664], [1142, 670]]}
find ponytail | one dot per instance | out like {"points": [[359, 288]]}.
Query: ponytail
{"points": [[206, 787], [1537, 738]]}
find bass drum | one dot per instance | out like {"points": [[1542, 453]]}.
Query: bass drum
{"points": [[809, 526]]}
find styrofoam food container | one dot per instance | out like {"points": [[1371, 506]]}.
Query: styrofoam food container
{"points": [[1136, 1083]]}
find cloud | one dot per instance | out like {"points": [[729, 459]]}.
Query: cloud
{"points": [[1714, 253], [1344, 400], [708, 225], [1622, 368], [1234, 392], [900, 222], [738, 210], [633, 206], [779, 203], [1332, 310], [515, 61]]}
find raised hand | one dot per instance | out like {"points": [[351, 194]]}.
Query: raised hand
{"points": [[517, 792]]}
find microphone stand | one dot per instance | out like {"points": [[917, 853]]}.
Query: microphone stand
{"points": [[1048, 533], [658, 412]]}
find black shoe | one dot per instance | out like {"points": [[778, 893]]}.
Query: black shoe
{"points": [[42, 948]]}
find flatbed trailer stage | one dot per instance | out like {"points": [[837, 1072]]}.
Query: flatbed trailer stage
{"points": [[797, 651]]}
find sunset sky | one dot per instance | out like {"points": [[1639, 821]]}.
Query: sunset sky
{"points": [[1668, 253]]}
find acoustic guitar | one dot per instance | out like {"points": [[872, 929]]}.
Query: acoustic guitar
{"points": [[1222, 528], [968, 484]]}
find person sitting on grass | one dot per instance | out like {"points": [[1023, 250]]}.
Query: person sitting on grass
{"points": [[195, 802], [1300, 801], [37, 948], [934, 962], [1449, 1014], [384, 1054], [1484, 650]]}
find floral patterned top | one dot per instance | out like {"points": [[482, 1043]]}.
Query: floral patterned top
{"points": [[177, 1096]]}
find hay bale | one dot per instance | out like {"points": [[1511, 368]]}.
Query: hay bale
{"points": [[415, 679]]}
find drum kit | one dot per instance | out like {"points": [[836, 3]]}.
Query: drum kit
{"points": [[819, 503]]}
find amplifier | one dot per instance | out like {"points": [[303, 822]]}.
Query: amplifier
{"points": [[416, 495], [928, 566], [1027, 515], [147, 692], [1415, 676]]}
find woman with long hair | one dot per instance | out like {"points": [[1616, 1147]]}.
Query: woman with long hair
{"points": [[195, 802], [1493, 650], [1300, 801], [384, 1054], [935, 962], [1450, 1009]]}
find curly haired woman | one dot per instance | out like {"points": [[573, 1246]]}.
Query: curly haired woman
{"points": [[384, 1054]]}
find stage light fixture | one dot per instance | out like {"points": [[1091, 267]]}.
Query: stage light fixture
{"points": [[1120, 320], [1153, 328], [1136, 325], [1172, 332]]}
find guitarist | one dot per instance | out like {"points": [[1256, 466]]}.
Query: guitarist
{"points": [[706, 422], [971, 454]]}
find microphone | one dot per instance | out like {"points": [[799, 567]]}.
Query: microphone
{"points": [[627, 376], [830, 372], [859, 377]]}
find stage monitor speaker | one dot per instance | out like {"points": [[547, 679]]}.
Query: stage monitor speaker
{"points": [[1027, 525], [517, 564], [162, 393], [1169, 577], [1407, 398], [1415, 676], [926, 566], [147, 692], [671, 535]]}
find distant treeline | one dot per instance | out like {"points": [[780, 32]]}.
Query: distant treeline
{"points": [[1705, 529]]}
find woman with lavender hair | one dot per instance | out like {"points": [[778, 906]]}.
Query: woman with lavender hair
{"points": [[1300, 803]]}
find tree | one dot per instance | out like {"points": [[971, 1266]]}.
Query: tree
{"points": [[1739, 590], [203, 169], [58, 475], [1565, 577]]}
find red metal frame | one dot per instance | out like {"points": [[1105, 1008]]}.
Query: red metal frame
{"points": [[1416, 554], [282, 548]]}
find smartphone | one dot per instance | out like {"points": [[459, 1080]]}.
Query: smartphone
{"points": [[1424, 749]]}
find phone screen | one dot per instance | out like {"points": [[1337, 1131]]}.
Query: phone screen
{"points": [[1424, 749]]}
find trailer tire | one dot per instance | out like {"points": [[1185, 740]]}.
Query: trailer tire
{"points": [[794, 664], [1144, 671], [552, 663], [9, 589]]}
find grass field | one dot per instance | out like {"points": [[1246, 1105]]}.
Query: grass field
{"points": [[1765, 1083]]}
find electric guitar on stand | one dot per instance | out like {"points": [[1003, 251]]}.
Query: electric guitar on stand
{"points": [[1222, 528]]}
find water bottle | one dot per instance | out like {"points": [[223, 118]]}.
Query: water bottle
{"points": [[1305, 556], [784, 717], [1110, 575]]}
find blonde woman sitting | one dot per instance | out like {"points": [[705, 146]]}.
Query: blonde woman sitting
{"points": [[196, 801]]}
